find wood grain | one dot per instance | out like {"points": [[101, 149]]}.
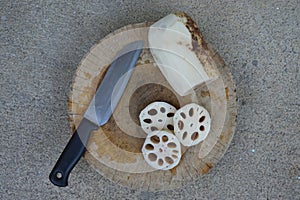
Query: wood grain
{"points": [[114, 150]]}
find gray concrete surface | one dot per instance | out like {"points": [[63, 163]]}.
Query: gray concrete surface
{"points": [[42, 42]]}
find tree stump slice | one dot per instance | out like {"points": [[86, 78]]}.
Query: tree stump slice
{"points": [[114, 150]]}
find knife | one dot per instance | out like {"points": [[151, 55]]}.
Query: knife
{"points": [[99, 111]]}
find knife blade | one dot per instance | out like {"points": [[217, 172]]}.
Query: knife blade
{"points": [[99, 110]]}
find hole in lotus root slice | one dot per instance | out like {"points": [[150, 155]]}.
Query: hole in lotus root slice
{"points": [[201, 128], [170, 114], [184, 135], [160, 162], [152, 157], [195, 136], [165, 138], [174, 156], [148, 121], [162, 150], [195, 127], [183, 115], [202, 119], [169, 160], [180, 125], [171, 145], [157, 116], [149, 147], [170, 127], [191, 112], [155, 139], [153, 128], [152, 112]]}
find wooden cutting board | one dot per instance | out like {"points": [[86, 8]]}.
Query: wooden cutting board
{"points": [[114, 150]]}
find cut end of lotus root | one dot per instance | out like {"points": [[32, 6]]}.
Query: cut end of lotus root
{"points": [[162, 150], [176, 44], [157, 116], [191, 124]]}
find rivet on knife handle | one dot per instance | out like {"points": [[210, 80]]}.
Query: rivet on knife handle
{"points": [[72, 153]]}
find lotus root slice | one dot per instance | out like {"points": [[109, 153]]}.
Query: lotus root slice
{"points": [[191, 124], [157, 116], [162, 150]]}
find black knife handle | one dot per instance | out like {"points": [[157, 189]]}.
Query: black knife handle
{"points": [[72, 153]]}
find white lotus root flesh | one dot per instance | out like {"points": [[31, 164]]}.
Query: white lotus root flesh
{"points": [[191, 124], [171, 41], [161, 150], [157, 116]]}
